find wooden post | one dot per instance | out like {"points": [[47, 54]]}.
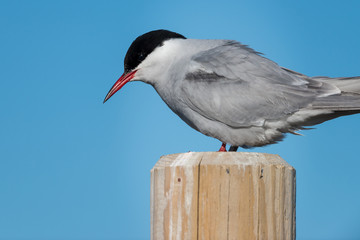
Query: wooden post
{"points": [[222, 195]]}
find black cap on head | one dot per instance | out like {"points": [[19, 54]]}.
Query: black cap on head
{"points": [[144, 45]]}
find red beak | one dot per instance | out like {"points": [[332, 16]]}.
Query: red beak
{"points": [[120, 83]]}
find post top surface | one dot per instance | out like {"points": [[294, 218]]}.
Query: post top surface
{"points": [[220, 158]]}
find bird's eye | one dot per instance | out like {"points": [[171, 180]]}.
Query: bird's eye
{"points": [[141, 56]]}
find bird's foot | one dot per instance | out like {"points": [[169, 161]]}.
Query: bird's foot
{"points": [[233, 148], [223, 148]]}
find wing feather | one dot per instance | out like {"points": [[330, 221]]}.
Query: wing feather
{"points": [[237, 86]]}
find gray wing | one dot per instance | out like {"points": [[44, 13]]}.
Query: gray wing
{"points": [[235, 85]]}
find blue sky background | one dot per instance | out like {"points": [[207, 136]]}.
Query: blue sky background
{"points": [[73, 168]]}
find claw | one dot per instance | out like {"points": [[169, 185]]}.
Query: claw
{"points": [[233, 148], [223, 148]]}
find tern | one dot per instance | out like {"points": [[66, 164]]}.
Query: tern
{"points": [[230, 92]]}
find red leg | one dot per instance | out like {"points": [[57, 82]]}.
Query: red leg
{"points": [[223, 148]]}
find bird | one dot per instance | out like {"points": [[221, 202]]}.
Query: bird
{"points": [[228, 91]]}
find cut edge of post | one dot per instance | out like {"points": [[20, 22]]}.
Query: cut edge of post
{"points": [[242, 158]]}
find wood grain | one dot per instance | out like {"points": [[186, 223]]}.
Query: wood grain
{"points": [[216, 195]]}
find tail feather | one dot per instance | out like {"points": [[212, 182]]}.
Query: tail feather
{"points": [[339, 102], [347, 100], [345, 103], [328, 106], [318, 119], [346, 84]]}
